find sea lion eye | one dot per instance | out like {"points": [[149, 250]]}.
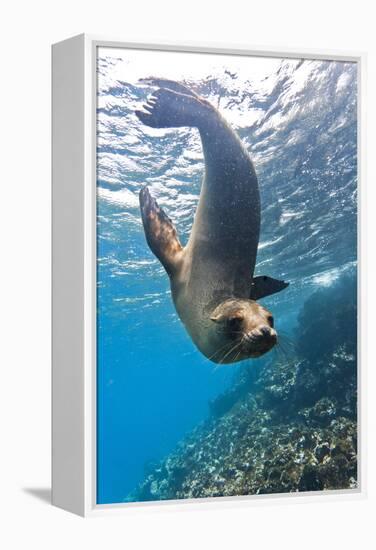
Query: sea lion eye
{"points": [[233, 322], [271, 321]]}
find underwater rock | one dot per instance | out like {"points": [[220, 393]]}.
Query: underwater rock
{"points": [[268, 459], [290, 426], [329, 318]]}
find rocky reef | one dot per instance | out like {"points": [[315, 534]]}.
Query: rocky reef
{"points": [[288, 426]]}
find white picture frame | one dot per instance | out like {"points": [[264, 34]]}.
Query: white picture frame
{"points": [[74, 272]]}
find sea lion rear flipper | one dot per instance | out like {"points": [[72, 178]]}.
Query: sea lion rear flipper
{"points": [[167, 108], [169, 84], [160, 233], [265, 286]]}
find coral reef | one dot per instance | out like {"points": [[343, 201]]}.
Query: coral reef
{"points": [[289, 426]]}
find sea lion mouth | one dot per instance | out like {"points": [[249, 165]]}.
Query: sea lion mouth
{"points": [[257, 342]]}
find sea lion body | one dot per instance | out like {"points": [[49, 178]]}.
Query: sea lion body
{"points": [[221, 252], [211, 278]]}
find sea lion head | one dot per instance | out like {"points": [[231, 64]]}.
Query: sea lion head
{"points": [[246, 330]]}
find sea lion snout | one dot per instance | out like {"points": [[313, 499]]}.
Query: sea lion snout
{"points": [[261, 339], [269, 333], [263, 332]]}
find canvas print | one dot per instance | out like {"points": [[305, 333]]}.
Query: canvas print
{"points": [[226, 275]]}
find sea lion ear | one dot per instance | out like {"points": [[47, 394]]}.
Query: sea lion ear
{"points": [[160, 233], [215, 318], [265, 286]]}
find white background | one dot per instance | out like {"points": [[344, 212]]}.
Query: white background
{"points": [[27, 30]]}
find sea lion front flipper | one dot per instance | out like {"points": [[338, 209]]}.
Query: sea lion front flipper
{"points": [[265, 286], [160, 233]]}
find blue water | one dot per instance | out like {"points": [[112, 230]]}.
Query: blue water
{"points": [[299, 122]]}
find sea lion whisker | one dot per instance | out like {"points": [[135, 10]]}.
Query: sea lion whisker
{"points": [[285, 336], [287, 344], [237, 355], [221, 349], [227, 344], [226, 348], [238, 344], [285, 353], [290, 347], [280, 347], [279, 354]]}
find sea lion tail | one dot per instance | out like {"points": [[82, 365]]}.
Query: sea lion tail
{"points": [[168, 108]]}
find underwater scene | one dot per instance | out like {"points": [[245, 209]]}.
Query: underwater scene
{"points": [[221, 372]]}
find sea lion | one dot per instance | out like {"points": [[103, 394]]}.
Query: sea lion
{"points": [[212, 282]]}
